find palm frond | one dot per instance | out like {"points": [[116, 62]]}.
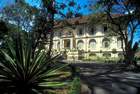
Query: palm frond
{"points": [[22, 72]]}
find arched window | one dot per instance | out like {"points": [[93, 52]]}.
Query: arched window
{"points": [[105, 28], [80, 32], [92, 44], [80, 45], [92, 30], [106, 42], [67, 43]]}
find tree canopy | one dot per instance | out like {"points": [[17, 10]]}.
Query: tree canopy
{"points": [[124, 16]]}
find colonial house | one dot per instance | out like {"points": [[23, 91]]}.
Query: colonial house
{"points": [[78, 39]]}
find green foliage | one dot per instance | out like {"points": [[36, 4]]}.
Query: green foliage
{"points": [[21, 72], [114, 51], [7, 30], [125, 23], [3, 30], [75, 86], [92, 54]]}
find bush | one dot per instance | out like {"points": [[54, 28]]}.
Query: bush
{"points": [[22, 72], [92, 54], [106, 55], [114, 51], [75, 87]]}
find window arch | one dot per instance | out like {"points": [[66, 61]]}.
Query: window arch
{"points": [[67, 43], [92, 44], [106, 42], [92, 30], [80, 31], [80, 44], [105, 28]]}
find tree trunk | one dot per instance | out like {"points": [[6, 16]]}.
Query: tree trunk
{"points": [[129, 57]]}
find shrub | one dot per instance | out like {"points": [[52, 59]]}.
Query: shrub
{"points": [[75, 87], [114, 51], [107, 55], [92, 54], [21, 72]]}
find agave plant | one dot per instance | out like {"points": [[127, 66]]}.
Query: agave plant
{"points": [[21, 72]]}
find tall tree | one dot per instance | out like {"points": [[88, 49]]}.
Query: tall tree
{"points": [[57, 10], [123, 15], [41, 20]]}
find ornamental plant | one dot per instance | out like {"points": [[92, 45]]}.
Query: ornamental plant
{"points": [[75, 86], [21, 72]]}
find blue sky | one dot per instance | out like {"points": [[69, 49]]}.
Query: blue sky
{"points": [[82, 3], [4, 3]]}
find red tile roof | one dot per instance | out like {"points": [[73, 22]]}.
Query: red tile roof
{"points": [[78, 20]]}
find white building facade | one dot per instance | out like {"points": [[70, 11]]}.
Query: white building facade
{"points": [[82, 40]]}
